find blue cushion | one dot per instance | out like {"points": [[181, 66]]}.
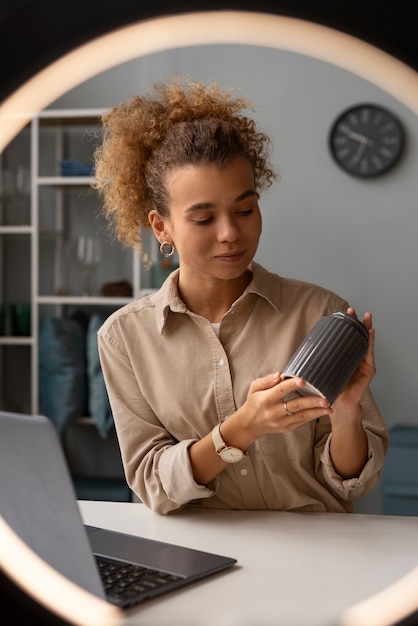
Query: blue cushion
{"points": [[62, 370], [98, 400]]}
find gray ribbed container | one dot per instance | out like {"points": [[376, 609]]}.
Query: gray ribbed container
{"points": [[329, 355]]}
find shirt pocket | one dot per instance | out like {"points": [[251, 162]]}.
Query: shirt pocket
{"points": [[297, 444]]}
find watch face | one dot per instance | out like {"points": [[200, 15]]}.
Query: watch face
{"points": [[366, 140], [231, 455]]}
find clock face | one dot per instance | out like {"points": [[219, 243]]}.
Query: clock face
{"points": [[366, 140]]}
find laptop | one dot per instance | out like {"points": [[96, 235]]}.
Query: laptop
{"points": [[37, 499]]}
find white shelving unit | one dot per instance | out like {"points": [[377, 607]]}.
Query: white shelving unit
{"points": [[16, 236], [62, 209]]}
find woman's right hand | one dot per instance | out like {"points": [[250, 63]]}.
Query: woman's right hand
{"points": [[266, 409]]}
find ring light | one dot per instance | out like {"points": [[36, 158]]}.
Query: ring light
{"points": [[199, 28]]}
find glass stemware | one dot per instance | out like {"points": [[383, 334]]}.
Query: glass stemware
{"points": [[88, 256]]}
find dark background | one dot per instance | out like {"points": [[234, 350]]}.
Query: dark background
{"points": [[33, 33]]}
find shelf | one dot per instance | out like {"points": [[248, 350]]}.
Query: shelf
{"points": [[16, 230], [96, 300], [61, 182], [91, 300], [11, 340], [67, 117]]}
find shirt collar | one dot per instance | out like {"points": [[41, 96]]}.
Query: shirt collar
{"points": [[266, 285], [263, 284]]}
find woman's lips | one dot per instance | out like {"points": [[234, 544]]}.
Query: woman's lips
{"points": [[231, 257]]}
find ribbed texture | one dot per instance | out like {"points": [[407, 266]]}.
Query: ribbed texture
{"points": [[329, 354]]}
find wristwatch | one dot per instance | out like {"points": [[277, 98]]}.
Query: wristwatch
{"points": [[228, 454]]}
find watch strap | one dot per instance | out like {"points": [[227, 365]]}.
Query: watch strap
{"points": [[218, 442]]}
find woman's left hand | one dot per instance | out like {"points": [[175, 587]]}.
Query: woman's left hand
{"points": [[349, 445], [353, 392]]}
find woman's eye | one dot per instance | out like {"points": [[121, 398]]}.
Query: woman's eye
{"points": [[209, 220], [246, 212], [203, 222]]}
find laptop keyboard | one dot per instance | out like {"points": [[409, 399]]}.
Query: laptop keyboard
{"points": [[128, 583]]}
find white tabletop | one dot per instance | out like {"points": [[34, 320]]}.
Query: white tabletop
{"points": [[293, 569]]}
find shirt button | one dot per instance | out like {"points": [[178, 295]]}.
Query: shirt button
{"points": [[221, 362], [244, 472]]}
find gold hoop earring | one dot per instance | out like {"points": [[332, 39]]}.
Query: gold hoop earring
{"points": [[167, 248]]}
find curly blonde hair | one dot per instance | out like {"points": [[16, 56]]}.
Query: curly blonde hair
{"points": [[147, 136]]}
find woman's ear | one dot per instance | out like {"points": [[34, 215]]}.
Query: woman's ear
{"points": [[157, 224]]}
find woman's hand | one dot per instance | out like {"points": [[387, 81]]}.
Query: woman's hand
{"points": [[267, 409], [353, 391], [349, 447]]}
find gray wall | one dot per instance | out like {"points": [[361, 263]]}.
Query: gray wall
{"points": [[352, 236]]}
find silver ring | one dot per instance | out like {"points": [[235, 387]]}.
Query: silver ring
{"points": [[286, 409]]}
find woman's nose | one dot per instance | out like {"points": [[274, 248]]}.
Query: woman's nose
{"points": [[228, 230]]}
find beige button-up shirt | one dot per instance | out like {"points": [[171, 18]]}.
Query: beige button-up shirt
{"points": [[170, 380]]}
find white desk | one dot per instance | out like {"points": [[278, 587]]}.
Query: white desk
{"points": [[293, 569]]}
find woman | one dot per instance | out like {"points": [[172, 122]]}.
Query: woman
{"points": [[194, 369]]}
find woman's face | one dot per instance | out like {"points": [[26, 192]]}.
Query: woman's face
{"points": [[215, 220]]}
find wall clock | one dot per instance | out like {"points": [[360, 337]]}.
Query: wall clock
{"points": [[366, 140]]}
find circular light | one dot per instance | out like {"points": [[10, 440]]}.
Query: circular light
{"points": [[200, 28]]}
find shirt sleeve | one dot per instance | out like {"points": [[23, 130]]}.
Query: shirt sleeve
{"points": [[352, 488], [157, 467], [180, 486]]}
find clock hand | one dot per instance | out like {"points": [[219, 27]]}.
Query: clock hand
{"points": [[356, 158], [357, 137]]}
